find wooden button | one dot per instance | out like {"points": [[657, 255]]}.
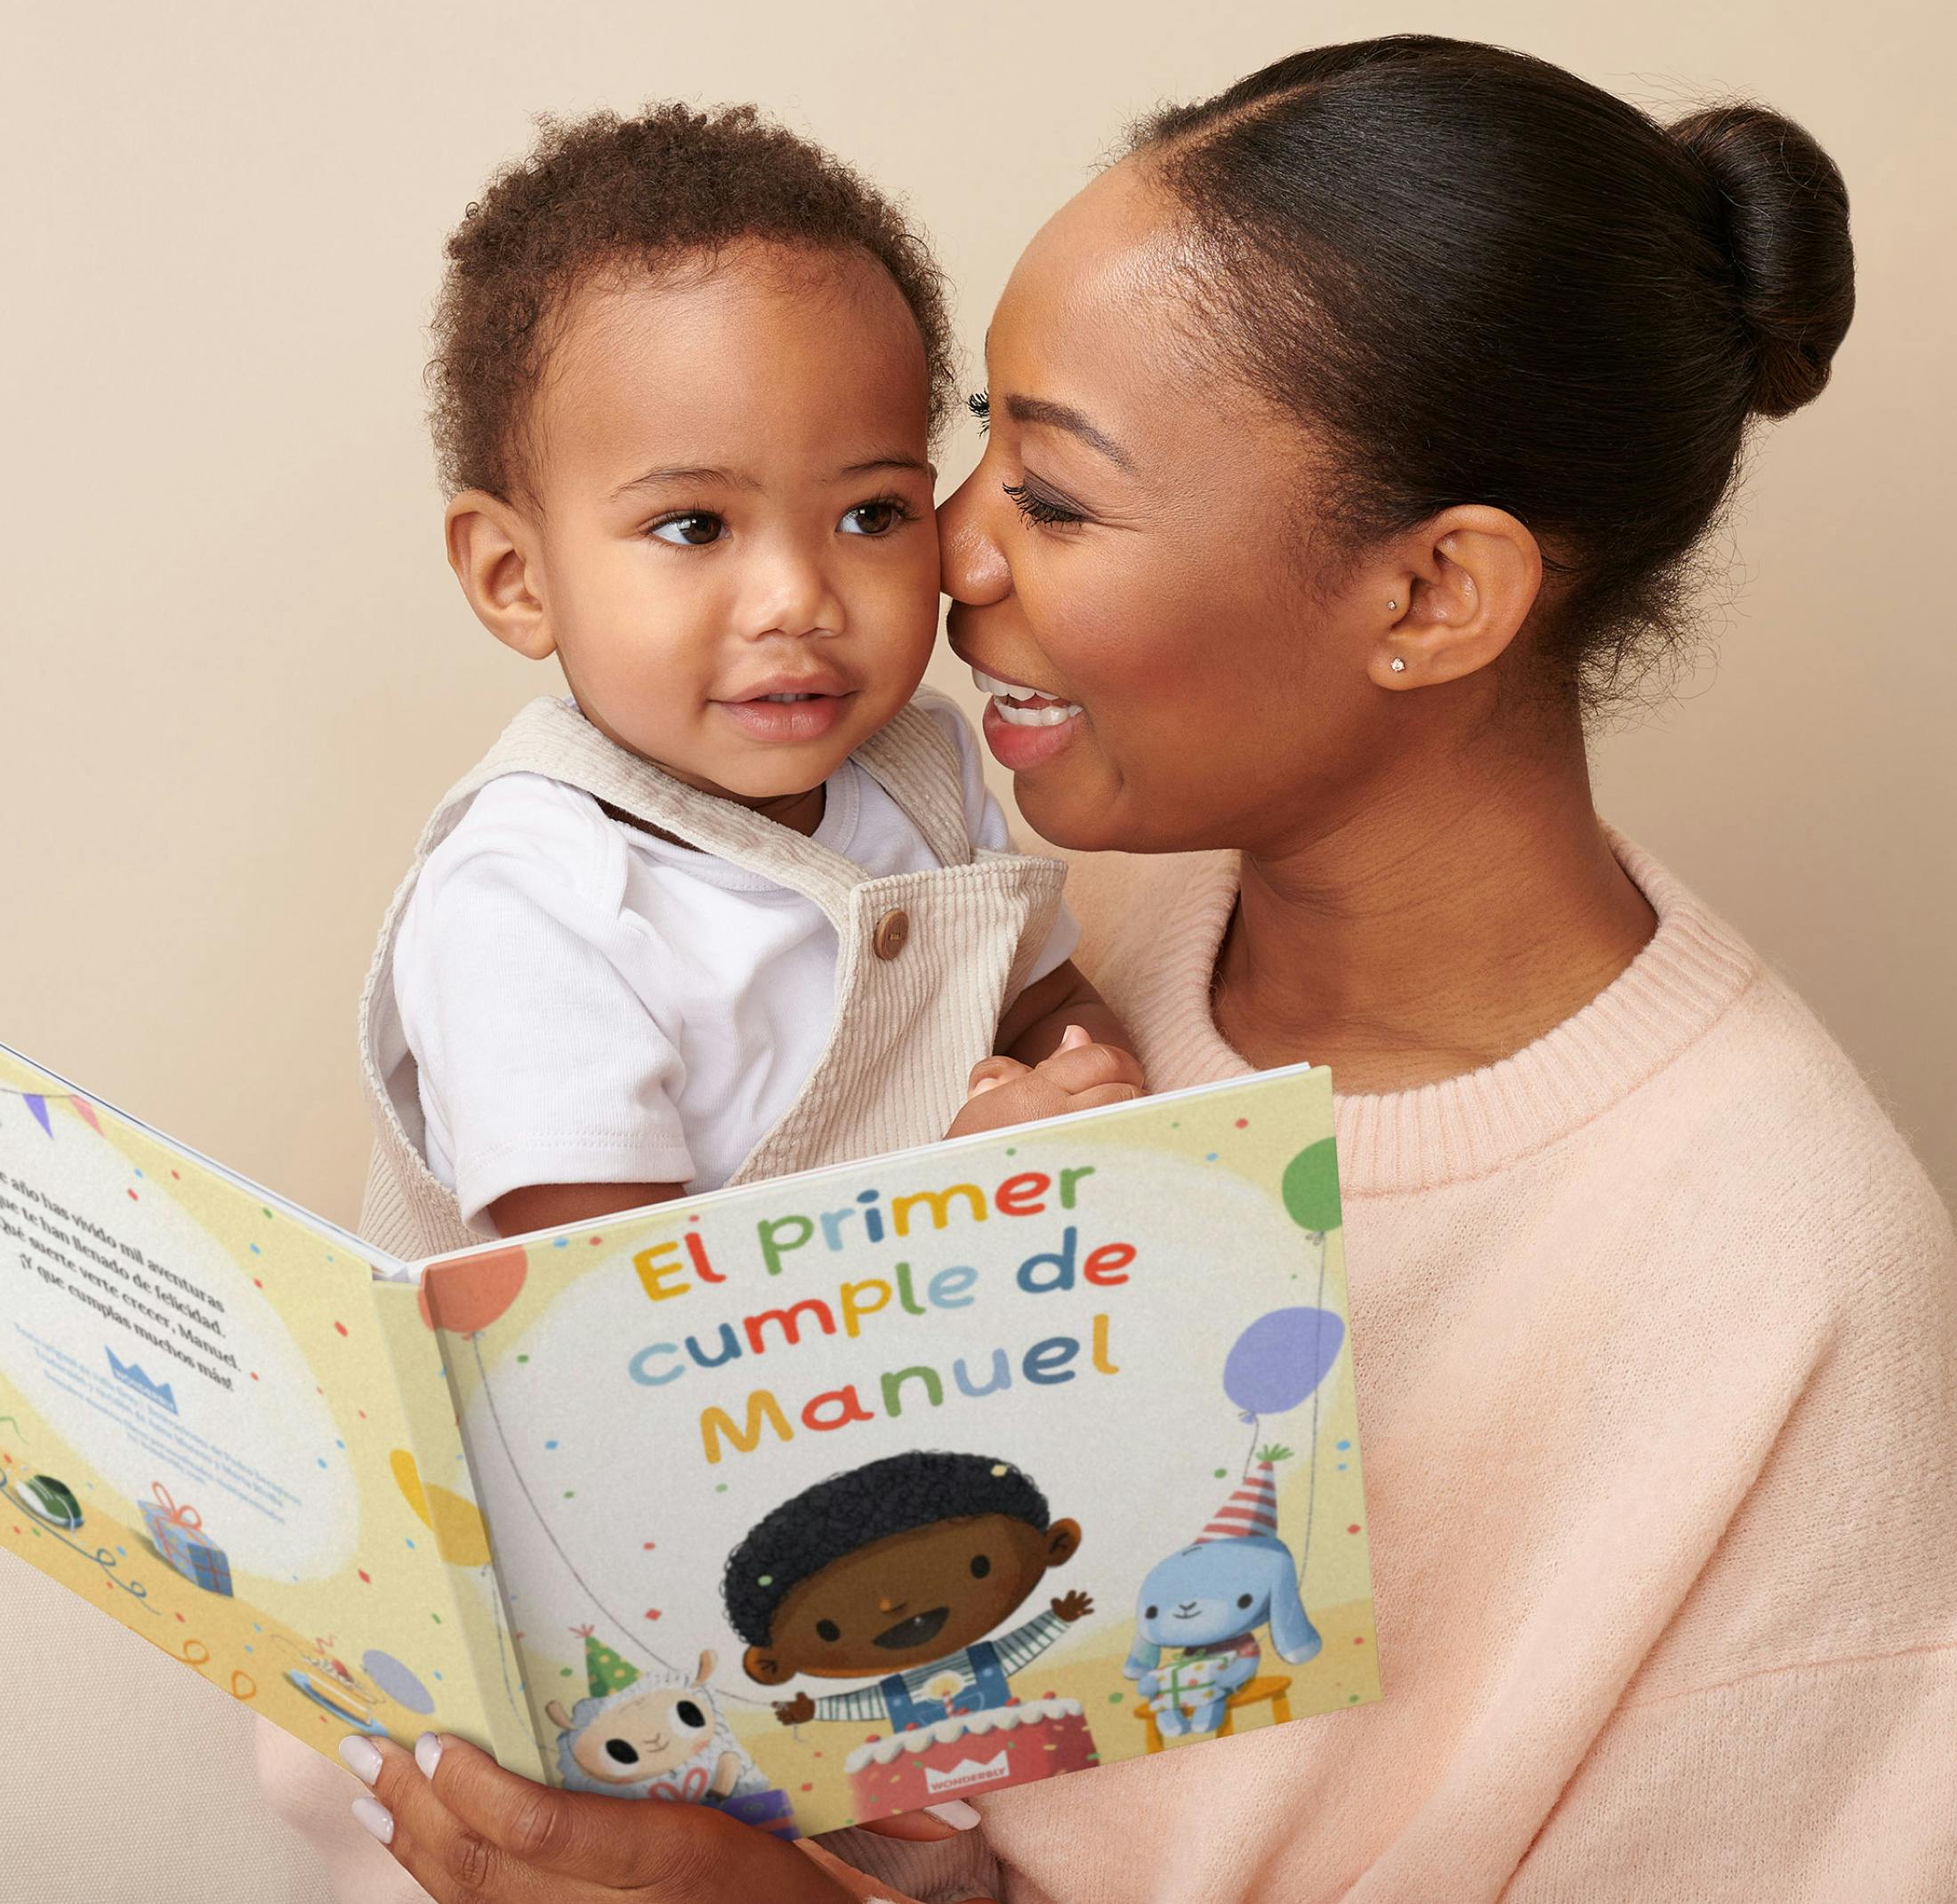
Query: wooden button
{"points": [[892, 934]]}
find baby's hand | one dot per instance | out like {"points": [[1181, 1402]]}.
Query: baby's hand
{"points": [[1080, 1075]]}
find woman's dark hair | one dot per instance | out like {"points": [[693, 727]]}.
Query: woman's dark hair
{"points": [[602, 193], [1483, 280]]}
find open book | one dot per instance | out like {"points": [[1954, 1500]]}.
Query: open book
{"points": [[816, 1499]]}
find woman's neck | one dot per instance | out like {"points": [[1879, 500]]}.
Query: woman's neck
{"points": [[1432, 932]]}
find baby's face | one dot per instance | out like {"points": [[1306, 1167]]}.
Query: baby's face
{"points": [[734, 497]]}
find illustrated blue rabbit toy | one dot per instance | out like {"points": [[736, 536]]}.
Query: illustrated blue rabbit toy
{"points": [[1206, 1600]]}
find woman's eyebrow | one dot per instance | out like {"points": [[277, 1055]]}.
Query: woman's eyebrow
{"points": [[1064, 417]]}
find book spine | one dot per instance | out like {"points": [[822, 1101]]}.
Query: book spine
{"points": [[434, 1472]]}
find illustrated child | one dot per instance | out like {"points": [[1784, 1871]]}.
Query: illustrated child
{"points": [[741, 904], [901, 1568]]}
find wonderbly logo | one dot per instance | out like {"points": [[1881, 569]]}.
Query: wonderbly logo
{"points": [[967, 1772]]}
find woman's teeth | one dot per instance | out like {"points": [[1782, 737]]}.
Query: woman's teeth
{"points": [[1020, 706], [789, 697]]}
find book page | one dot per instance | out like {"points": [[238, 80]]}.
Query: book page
{"points": [[825, 1499], [199, 1426]]}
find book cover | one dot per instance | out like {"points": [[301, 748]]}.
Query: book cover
{"points": [[817, 1500], [836, 1496]]}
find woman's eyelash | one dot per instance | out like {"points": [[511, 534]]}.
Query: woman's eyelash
{"points": [[1037, 508], [980, 403]]}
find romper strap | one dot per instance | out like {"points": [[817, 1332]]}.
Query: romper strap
{"points": [[916, 763]]}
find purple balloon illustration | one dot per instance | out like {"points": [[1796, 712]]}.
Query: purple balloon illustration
{"points": [[1280, 1358]]}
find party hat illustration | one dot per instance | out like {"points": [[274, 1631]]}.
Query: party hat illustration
{"points": [[1252, 1508], [604, 1671]]}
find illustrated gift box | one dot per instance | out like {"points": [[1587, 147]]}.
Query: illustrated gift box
{"points": [[180, 1539]]}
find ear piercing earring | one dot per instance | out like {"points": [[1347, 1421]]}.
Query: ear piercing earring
{"points": [[1398, 664], [1394, 605]]}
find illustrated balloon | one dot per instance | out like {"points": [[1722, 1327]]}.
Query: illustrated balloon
{"points": [[463, 1297], [460, 1537], [397, 1681], [1312, 1188], [1277, 1361]]}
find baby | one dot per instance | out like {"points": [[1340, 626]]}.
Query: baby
{"points": [[741, 904]]}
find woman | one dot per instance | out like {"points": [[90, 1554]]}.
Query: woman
{"points": [[1349, 439]]}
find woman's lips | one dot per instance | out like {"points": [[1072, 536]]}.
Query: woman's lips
{"points": [[1024, 728], [1024, 707], [778, 718]]}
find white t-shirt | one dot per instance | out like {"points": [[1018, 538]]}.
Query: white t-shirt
{"points": [[587, 1004]]}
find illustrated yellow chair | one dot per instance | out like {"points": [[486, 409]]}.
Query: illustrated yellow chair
{"points": [[1273, 1687]]}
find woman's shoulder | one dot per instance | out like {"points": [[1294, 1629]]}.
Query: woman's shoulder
{"points": [[1774, 1094]]}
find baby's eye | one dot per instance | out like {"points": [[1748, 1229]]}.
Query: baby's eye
{"points": [[693, 531], [873, 519]]}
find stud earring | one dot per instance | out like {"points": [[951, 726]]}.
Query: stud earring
{"points": [[1398, 664], [1394, 605]]}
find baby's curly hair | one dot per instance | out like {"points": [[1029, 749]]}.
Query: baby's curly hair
{"points": [[599, 191], [895, 1496]]}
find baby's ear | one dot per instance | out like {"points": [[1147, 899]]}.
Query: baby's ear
{"points": [[491, 549], [765, 1667], [1063, 1542]]}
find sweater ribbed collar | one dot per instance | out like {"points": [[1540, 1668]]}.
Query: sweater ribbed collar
{"points": [[1686, 975]]}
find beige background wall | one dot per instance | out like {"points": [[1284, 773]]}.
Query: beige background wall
{"points": [[236, 673]]}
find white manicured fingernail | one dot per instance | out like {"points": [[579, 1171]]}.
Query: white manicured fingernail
{"points": [[359, 1757], [375, 1819], [428, 1753], [955, 1812]]}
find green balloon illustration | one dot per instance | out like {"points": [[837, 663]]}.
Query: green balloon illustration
{"points": [[1311, 1187]]}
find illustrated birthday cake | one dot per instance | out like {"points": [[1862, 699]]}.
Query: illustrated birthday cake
{"points": [[973, 1752]]}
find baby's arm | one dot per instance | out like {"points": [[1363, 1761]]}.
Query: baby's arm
{"points": [[559, 1205], [1060, 1049], [1038, 1018]]}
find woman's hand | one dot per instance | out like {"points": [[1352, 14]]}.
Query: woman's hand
{"points": [[470, 1833], [1080, 1075]]}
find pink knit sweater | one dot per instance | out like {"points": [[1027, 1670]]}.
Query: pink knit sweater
{"points": [[1655, 1333], [1655, 1327]]}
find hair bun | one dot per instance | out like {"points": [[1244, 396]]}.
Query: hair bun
{"points": [[1785, 217]]}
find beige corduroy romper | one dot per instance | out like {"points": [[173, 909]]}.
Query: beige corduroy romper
{"points": [[926, 963]]}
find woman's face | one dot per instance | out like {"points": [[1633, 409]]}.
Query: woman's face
{"points": [[1137, 543]]}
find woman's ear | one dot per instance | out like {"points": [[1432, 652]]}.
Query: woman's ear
{"points": [[1465, 583], [492, 548]]}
